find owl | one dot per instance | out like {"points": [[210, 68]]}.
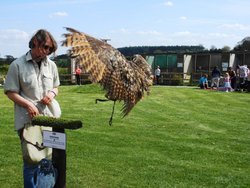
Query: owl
{"points": [[123, 80]]}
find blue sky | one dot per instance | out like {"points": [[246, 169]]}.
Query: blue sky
{"points": [[126, 22]]}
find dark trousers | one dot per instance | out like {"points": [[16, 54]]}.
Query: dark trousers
{"points": [[78, 79], [233, 82], [242, 84], [248, 86], [204, 86], [157, 79]]}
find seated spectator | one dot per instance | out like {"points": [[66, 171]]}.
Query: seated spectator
{"points": [[203, 82]]}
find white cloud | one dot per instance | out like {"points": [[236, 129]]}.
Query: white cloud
{"points": [[148, 32], [133, 33], [219, 35], [168, 4], [13, 42], [236, 26], [217, 39], [10, 34], [120, 31], [183, 18], [182, 33], [58, 14]]}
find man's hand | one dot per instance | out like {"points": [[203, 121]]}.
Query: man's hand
{"points": [[32, 110], [48, 98]]}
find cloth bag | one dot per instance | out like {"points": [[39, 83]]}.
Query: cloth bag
{"points": [[55, 109], [32, 139], [32, 144]]}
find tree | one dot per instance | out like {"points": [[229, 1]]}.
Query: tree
{"points": [[9, 57], [226, 49], [243, 45], [213, 47]]}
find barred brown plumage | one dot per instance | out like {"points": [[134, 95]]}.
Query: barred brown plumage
{"points": [[122, 80]]}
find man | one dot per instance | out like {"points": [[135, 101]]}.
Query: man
{"points": [[78, 74], [157, 74], [242, 72], [32, 82]]}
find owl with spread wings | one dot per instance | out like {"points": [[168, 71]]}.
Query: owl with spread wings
{"points": [[122, 80]]}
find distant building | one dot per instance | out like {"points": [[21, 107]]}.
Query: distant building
{"points": [[195, 64]]}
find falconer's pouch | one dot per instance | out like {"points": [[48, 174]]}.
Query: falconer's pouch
{"points": [[32, 144]]}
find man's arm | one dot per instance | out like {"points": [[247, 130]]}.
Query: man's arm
{"points": [[18, 99]]}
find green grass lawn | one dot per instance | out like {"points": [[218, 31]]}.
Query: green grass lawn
{"points": [[176, 137]]}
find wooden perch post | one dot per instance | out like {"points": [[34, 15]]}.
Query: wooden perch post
{"points": [[58, 155]]}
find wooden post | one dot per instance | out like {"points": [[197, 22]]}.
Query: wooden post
{"points": [[59, 160], [58, 155]]}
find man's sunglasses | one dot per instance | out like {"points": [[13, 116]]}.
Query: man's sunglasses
{"points": [[46, 47]]}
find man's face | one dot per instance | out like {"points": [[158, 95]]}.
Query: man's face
{"points": [[40, 51]]}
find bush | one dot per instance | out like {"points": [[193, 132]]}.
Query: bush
{"points": [[3, 69], [62, 70], [177, 80]]}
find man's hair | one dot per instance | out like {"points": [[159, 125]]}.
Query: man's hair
{"points": [[41, 36]]}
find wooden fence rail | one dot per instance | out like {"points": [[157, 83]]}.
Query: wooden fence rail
{"points": [[175, 78], [166, 78], [69, 79]]}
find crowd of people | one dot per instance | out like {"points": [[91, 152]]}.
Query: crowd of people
{"points": [[232, 80]]}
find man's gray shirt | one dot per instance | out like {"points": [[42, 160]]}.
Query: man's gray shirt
{"points": [[31, 82]]}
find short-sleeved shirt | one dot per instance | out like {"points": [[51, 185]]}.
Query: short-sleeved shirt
{"points": [[78, 71], [158, 72], [203, 80], [243, 71], [31, 82], [216, 73]]}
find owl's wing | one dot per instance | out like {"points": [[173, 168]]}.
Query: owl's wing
{"points": [[122, 80]]}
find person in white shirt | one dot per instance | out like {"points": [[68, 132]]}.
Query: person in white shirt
{"points": [[248, 81], [157, 74], [242, 71]]}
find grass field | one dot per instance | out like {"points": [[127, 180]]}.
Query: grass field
{"points": [[176, 137]]}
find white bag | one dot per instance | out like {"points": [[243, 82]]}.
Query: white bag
{"points": [[32, 138], [32, 144], [54, 108]]}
